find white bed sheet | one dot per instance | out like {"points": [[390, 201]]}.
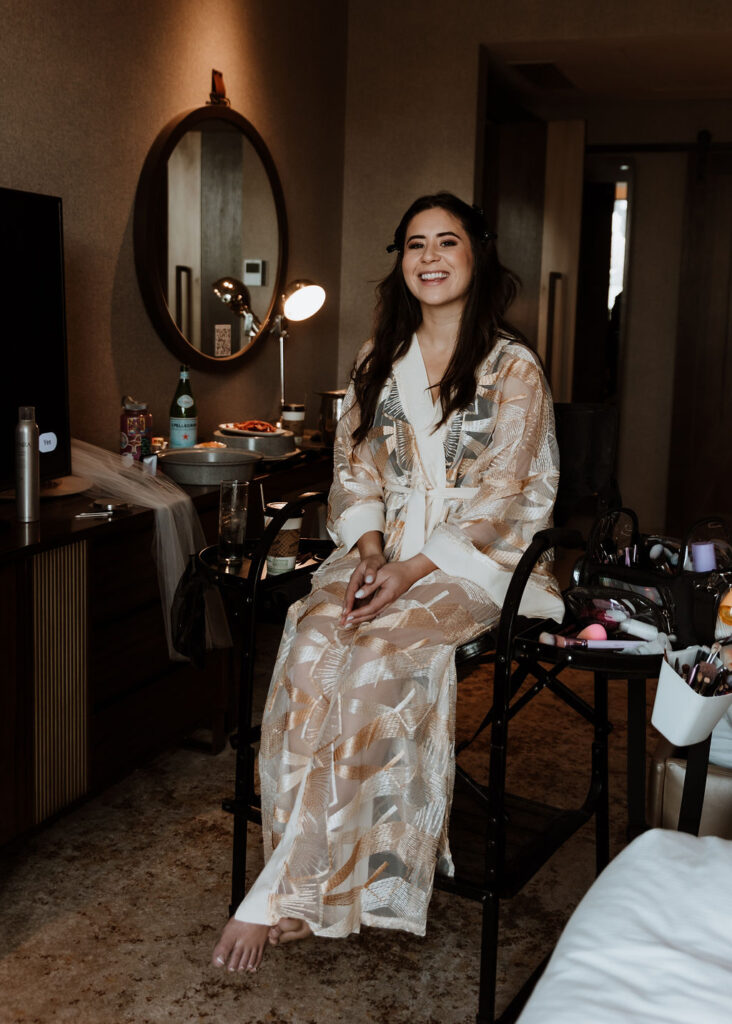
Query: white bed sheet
{"points": [[650, 943]]}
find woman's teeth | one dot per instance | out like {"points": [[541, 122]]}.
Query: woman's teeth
{"points": [[433, 276]]}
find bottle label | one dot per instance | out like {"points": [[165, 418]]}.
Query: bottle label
{"points": [[184, 401], [277, 564], [183, 432]]}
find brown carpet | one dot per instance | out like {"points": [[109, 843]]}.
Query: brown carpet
{"points": [[109, 915]]}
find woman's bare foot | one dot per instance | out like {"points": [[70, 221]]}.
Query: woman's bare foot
{"points": [[241, 946], [288, 929]]}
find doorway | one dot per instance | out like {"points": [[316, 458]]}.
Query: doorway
{"points": [[529, 182], [602, 279]]}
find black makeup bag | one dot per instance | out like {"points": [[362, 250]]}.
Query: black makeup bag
{"points": [[657, 573]]}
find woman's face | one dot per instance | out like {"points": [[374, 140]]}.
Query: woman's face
{"points": [[437, 262]]}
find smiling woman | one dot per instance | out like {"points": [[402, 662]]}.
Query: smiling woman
{"points": [[444, 467]]}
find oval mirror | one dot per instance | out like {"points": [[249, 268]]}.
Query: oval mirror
{"points": [[210, 236]]}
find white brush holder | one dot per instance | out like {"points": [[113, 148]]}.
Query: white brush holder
{"points": [[681, 714]]}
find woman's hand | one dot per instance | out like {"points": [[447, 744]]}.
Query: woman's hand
{"points": [[391, 580], [363, 575]]}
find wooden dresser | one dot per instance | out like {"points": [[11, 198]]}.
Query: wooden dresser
{"points": [[87, 690]]}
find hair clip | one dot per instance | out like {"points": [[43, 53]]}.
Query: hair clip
{"points": [[489, 236], [393, 247]]}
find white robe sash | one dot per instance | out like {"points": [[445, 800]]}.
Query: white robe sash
{"points": [[427, 492]]}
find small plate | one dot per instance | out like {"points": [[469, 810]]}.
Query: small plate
{"points": [[229, 428]]}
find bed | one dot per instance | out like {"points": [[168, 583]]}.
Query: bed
{"points": [[650, 942]]}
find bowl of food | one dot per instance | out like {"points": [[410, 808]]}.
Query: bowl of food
{"points": [[207, 466], [260, 436]]}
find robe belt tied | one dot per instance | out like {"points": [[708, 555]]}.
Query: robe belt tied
{"points": [[424, 509]]}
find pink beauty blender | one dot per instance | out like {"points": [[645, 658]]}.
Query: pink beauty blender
{"points": [[592, 632]]}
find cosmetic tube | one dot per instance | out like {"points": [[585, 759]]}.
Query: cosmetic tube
{"points": [[557, 640]]}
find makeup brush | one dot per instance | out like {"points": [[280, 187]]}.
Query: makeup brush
{"points": [[557, 640]]}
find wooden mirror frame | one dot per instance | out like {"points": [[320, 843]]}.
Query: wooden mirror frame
{"points": [[150, 232]]}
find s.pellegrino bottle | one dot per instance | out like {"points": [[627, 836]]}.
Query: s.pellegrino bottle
{"points": [[183, 414]]}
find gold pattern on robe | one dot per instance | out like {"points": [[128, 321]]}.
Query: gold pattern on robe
{"points": [[356, 759]]}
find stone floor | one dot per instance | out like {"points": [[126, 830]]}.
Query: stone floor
{"points": [[109, 915]]}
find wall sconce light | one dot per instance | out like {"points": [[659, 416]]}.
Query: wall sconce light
{"points": [[301, 300], [235, 295]]}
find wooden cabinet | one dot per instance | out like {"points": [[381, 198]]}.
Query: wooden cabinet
{"points": [[138, 699], [16, 711], [87, 690]]}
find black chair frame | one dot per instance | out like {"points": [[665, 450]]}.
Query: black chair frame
{"points": [[509, 838], [515, 836]]}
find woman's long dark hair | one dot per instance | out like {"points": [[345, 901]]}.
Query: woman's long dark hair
{"points": [[398, 315]]}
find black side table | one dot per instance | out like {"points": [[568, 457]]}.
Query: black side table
{"points": [[606, 666]]}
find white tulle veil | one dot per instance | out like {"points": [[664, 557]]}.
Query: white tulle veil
{"points": [[178, 531]]}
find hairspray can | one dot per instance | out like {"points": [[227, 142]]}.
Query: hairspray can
{"points": [[27, 485]]}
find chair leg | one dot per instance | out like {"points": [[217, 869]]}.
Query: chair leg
{"points": [[600, 771], [636, 781], [243, 793], [488, 961], [244, 777], [238, 862]]}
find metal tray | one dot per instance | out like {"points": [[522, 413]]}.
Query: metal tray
{"points": [[270, 446], [207, 466]]}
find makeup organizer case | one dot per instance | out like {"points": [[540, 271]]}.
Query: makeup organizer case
{"points": [[654, 579]]}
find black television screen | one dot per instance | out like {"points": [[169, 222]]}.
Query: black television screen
{"points": [[33, 329]]}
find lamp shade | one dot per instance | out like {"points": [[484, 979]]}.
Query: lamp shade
{"points": [[302, 299]]}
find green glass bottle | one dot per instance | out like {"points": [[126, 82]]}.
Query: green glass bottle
{"points": [[183, 414]]}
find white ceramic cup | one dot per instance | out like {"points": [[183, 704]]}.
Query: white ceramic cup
{"points": [[292, 417]]}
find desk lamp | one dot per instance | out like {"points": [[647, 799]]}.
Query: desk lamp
{"points": [[301, 300]]}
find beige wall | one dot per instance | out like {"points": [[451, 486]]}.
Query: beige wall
{"points": [[411, 127], [86, 86]]}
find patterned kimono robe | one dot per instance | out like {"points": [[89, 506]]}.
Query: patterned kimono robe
{"points": [[356, 760]]}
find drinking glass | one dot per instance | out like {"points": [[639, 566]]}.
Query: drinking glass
{"points": [[233, 496]]}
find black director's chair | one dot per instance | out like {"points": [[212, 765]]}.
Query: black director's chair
{"points": [[498, 841]]}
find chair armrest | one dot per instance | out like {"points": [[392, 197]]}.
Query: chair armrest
{"points": [[556, 537]]}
